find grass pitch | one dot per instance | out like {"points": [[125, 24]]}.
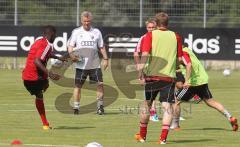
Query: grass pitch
{"points": [[203, 126]]}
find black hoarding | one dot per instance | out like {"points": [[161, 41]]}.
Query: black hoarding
{"points": [[217, 43]]}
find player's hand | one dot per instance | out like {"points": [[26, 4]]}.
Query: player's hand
{"points": [[186, 85], [74, 58], [141, 79], [54, 76], [141, 82], [105, 64]]}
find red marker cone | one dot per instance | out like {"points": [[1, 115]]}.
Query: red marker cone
{"points": [[16, 142]]}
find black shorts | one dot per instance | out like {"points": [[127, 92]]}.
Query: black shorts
{"points": [[186, 94], [95, 76], [36, 87], [166, 90], [180, 77]]}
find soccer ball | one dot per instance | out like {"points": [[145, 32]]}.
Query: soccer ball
{"points": [[93, 144], [55, 62], [226, 72]]}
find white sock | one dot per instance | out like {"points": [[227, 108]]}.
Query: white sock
{"points": [[99, 102], [76, 105], [227, 114]]}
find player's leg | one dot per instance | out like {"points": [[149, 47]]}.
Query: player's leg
{"points": [[150, 93], [100, 96], [144, 119], [80, 77], [96, 76], [153, 111], [36, 88], [176, 106], [167, 99], [205, 93], [175, 124], [181, 96]]}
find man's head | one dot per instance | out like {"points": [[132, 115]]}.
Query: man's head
{"points": [[86, 19], [162, 19], [150, 25], [49, 32]]}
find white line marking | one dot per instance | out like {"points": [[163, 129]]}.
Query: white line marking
{"points": [[124, 39], [237, 41], [122, 45], [121, 50], [8, 37], [8, 48], [8, 42], [237, 51], [237, 46]]}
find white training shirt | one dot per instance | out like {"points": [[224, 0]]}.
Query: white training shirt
{"points": [[87, 44]]}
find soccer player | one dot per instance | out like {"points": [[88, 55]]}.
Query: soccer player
{"points": [[88, 42], [150, 26], [157, 70], [199, 86], [35, 74]]}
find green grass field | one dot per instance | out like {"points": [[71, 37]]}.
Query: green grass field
{"points": [[203, 126]]}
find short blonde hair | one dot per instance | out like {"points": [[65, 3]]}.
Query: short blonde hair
{"points": [[150, 20], [161, 19]]}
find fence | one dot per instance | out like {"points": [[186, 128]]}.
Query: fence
{"points": [[121, 13]]}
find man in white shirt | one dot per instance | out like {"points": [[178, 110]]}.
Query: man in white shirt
{"points": [[83, 47]]}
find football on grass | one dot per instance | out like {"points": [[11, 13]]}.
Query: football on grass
{"points": [[55, 62], [93, 144]]}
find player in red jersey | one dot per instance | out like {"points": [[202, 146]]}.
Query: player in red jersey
{"points": [[150, 26], [35, 74], [157, 71]]}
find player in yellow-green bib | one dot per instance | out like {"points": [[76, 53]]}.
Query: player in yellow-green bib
{"points": [[198, 82], [157, 71]]}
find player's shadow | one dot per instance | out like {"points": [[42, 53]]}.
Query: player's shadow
{"points": [[191, 141], [113, 113], [213, 129], [72, 128]]}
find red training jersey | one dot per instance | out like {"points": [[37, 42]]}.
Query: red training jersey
{"points": [[147, 45], [41, 49], [138, 48], [186, 58]]}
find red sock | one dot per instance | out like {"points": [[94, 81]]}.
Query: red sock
{"points": [[143, 130], [41, 110], [164, 133]]}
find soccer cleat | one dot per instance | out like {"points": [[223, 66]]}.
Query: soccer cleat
{"points": [[46, 127], [175, 128], [75, 111], [234, 123], [139, 138], [181, 118], [100, 110], [162, 142], [154, 118]]}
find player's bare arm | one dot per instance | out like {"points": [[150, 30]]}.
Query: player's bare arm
{"points": [[140, 67], [136, 59], [61, 58], [73, 57], [40, 66], [105, 58], [187, 76]]}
